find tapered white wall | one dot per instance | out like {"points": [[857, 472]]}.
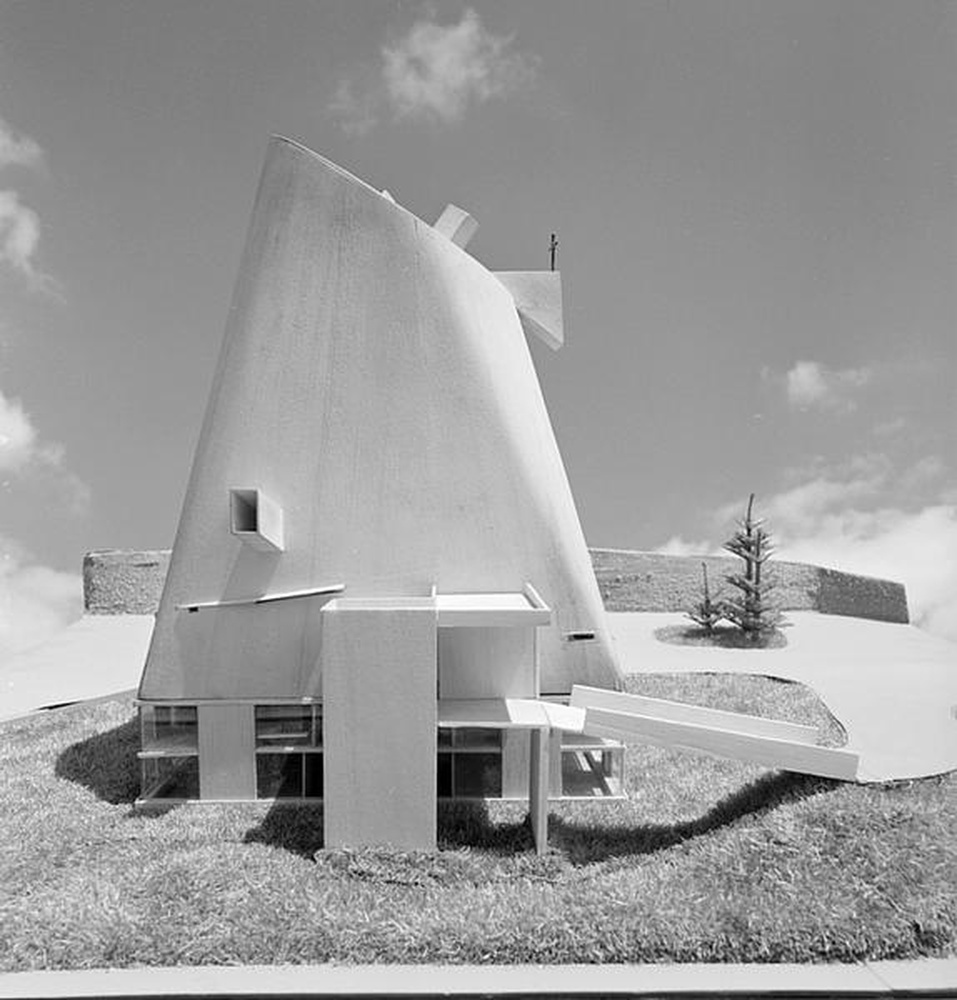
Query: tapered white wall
{"points": [[374, 383]]}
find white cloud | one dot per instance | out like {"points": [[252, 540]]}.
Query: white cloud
{"points": [[677, 546], [18, 437], [24, 454], [19, 236], [866, 517], [857, 519], [35, 601], [435, 72], [918, 549], [810, 385], [355, 109], [18, 150], [19, 224]]}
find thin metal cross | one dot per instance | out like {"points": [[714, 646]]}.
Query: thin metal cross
{"points": [[552, 250]]}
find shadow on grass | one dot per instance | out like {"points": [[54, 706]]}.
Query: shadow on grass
{"points": [[585, 843], [105, 763], [468, 824], [290, 826], [297, 828]]}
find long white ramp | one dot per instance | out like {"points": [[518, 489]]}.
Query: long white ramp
{"points": [[784, 745]]}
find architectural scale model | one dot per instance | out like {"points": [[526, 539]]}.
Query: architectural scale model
{"points": [[379, 593]]}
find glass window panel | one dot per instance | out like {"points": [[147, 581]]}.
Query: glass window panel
{"points": [[477, 739], [169, 727], [279, 776], [477, 775], [445, 737], [592, 772], [288, 725], [171, 778]]}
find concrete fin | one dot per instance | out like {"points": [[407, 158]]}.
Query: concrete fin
{"points": [[538, 299], [457, 225]]}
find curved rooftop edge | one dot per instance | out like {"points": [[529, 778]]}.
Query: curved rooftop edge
{"points": [[130, 581], [650, 581]]}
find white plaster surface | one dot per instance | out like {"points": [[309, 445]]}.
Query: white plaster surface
{"points": [[97, 656], [933, 977], [892, 687], [379, 726], [538, 299], [375, 382]]}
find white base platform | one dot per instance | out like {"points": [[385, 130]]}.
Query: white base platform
{"points": [[892, 687]]}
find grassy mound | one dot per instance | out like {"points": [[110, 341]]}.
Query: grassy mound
{"points": [[720, 636], [707, 860]]}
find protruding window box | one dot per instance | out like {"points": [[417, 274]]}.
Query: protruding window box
{"points": [[256, 520]]}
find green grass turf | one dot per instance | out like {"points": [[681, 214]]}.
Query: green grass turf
{"points": [[707, 860]]}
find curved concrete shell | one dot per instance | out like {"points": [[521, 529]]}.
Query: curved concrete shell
{"points": [[375, 385]]}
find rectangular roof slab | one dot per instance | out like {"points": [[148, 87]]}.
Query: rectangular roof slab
{"points": [[493, 713], [496, 610]]}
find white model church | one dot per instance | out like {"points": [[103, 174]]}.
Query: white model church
{"points": [[379, 592]]}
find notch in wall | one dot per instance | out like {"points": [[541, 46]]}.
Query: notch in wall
{"points": [[256, 519], [581, 635]]}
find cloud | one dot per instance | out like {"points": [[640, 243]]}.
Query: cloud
{"points": [[19, 224], [677, 546], [916, 548], [858, 518], [18, 150], [861, 517], [18, 436], [23, 454], [35, 601], [356, 107], [809, 385], [435, 72], [19, 236]]}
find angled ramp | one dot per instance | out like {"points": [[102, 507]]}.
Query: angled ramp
{"points": [[784, 745]]}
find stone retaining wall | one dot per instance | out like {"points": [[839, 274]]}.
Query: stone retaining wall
{"points": [[647, 581], [130, 582], [124, 581]]}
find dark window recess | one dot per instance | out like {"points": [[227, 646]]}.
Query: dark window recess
{"points": [[469, 764], [245, 510], [444, 774], [477, 775], [580, 636], [289, 776]]}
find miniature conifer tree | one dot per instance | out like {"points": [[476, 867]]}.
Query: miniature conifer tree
{"points": [[751, 609], [706, 612]]}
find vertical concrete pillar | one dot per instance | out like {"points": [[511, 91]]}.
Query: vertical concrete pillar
{"points": [[379, 723], [538, 788], [227, 762]]}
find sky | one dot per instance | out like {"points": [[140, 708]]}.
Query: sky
{"points": [[757, 223]]}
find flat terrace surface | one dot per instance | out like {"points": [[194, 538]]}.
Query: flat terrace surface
{"points": [[97, 656], [892, 687]]}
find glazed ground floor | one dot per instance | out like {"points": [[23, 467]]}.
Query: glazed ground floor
{"points": [[226, 751]]}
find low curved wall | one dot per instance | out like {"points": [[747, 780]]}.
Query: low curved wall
{"points": [[128, 582], [648, 581]]}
